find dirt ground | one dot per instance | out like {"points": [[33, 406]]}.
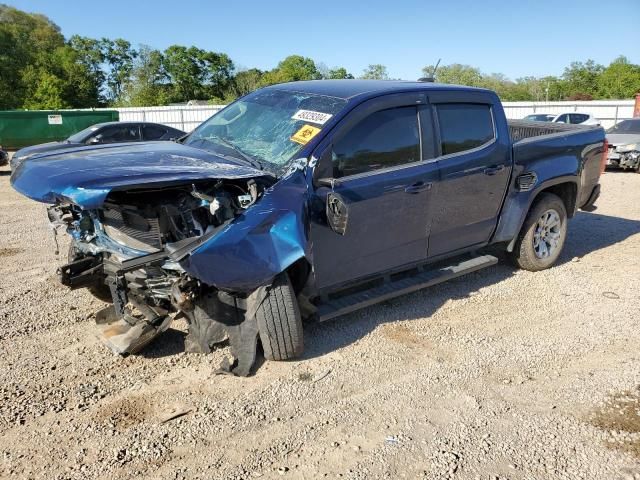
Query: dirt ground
{"points": [[502, 374]]}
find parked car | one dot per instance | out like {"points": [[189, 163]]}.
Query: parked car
{"points": [[310, 199], [4, 157], [576, 119], [624, 145], [540, 117], [100, 133]]}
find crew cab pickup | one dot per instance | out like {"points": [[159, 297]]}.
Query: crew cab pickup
{"points": [[309, 200]]}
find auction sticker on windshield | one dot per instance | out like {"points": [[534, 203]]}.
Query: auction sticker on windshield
{"points": [[310, 116], [306, 133]]}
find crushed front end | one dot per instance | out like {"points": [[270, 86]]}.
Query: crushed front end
{"points": [[129, 252]]}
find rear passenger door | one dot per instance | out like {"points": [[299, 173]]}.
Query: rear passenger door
{"points": [[475, 166]]}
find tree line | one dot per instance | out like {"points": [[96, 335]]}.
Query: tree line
{"points": [[41, 69], [580, 81]]}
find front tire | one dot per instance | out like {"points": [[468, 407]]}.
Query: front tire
{"points": [[279, 321], [543, 234]]}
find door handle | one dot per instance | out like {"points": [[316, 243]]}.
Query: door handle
{"points": [[418, 187], [493, 169]]}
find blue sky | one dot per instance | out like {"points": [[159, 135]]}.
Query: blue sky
{"points": [[517, 38]]}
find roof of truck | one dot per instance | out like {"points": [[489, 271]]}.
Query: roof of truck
{"points": [[351, 88]]}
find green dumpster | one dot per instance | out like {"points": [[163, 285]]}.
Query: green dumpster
{"points": [[22, 128]]}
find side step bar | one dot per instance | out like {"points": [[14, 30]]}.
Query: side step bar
{"points": [[394, 288]]}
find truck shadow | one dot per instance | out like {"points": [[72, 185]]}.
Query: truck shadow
{"points": [[588, 232], [170, 343]]}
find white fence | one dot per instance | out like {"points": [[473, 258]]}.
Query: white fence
{"points": [[609, 112], [188, 117], [184, 117]]}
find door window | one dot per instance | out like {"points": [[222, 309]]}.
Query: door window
{"points": [[562, 119], [384, 139], [123, 133], [152, 132], [578, 117], [464, 126]]}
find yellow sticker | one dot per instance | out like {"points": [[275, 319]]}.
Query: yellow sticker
{"points": [[306, 133]]}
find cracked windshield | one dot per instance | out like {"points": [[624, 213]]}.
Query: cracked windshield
{"points": [[267, 128]]}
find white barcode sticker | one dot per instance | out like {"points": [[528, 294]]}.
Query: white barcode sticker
{"points": [[310, 116]]}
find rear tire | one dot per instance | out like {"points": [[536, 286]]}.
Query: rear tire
{"points": [[100, 290], [279, 321], [543, 234]]}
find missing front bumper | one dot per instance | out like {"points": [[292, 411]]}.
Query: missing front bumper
{"points": [[132, 322]]}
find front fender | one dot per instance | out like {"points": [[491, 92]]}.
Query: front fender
{"points": [[264, 241]]}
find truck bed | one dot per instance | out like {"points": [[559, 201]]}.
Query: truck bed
{"points": [[523, 129], [578, 148]]}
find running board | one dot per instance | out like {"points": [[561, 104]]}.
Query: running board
{"points": [[348, 303]]}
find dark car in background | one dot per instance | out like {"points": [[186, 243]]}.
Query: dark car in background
{"points": [[4, 157], [102, 133]]}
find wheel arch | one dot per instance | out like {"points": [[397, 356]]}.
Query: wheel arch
{"points": [[298, 273], [566, 188]]}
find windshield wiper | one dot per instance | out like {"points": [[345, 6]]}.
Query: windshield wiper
{"points": [[253, 161]]}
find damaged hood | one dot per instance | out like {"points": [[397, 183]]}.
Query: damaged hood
{"points": [[86, 175], [623, 138], [45, 148]]}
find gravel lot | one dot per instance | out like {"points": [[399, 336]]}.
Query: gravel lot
{"points": [[502, 374]]}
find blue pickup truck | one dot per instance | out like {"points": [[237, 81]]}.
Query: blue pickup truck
{"points": [[309, 200]]}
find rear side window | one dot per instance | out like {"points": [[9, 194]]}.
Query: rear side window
{"points": [[152, 132], [464, 126], [578, 117], [123, 133], [384, 139]]}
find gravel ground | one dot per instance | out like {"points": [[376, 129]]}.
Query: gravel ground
{"points": [[502, 374]]}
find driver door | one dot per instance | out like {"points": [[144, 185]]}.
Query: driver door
{"points": [[374, 186]]}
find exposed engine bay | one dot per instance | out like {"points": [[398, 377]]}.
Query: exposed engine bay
{"points": [[150, 220], [128, 252]]}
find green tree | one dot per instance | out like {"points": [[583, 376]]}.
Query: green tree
{"points": [[291, 69], [119, 57], [88, 52], [47, 92], [245, 82], [197, 74], [185, 72], [27, 41], [339, 73], [375, 72], [81, 86], [621, 79], [455, 73], [218, 72], [582, 79], [149, 82]]}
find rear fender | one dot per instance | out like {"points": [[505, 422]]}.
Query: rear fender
{"points": [[518, 204]]}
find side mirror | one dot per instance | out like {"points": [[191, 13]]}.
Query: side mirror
{"points": [[93, 141], [337, 213], [326, 182]]}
